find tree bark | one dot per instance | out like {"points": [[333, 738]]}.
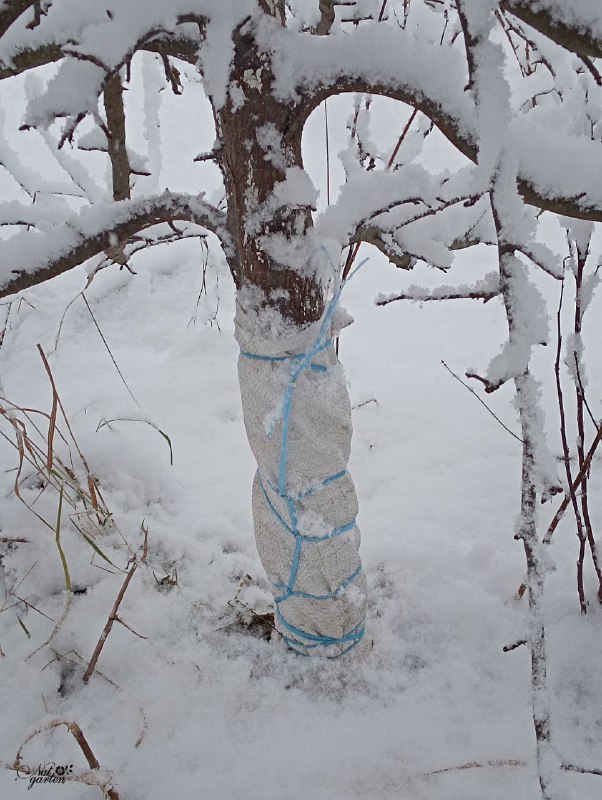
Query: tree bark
{"points": [[294, 396]]}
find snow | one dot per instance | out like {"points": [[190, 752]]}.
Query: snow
{"points": [[75, 88], [204, 706], [584, 15], [221, 709], [30, 252], [404, 63]]}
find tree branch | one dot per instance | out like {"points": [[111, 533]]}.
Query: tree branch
{"points": [[327, 16], [10, 13], [470, 43], [485, 290], [339, 66], [35, 258], [30, 58], [120, 163], [373, 236], [175, 45], [274, 8], [560, 22]]}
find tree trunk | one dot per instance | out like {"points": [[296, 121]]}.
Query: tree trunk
{"points": [[294, 396]]}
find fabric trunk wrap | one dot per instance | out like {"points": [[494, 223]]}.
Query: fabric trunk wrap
{"points": [[298, 419]]}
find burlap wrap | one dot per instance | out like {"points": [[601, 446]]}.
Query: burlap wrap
{"points": [[314, 503]]}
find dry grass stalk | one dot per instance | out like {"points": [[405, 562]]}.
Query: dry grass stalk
{"points": [[37, 449], [36, 446]]}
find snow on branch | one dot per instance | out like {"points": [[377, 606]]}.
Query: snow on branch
{"points": [[485, 289], [173, 45], [10, 13], [385, 60], [32, 257], [375, 59], [575, 25], [108, 39], [404, 213], [390, 200]]}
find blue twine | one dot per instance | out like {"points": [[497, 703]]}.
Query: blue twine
{"points": [[301, 362]]}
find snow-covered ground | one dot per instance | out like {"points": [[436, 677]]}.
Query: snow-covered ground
{"points": [[224, 713], [204, 706]]}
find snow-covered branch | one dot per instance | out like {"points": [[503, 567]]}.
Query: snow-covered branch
{"points": [[527, 326], [577, 25], [375, 59], [10, 13], [173, 45], [383, 60], [109, 40], [485, 289], [32, 258]]}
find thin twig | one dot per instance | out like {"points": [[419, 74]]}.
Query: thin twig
{"points": [[494, 762], [55, 391], [582, 390], [477, 294], [587, 61], [567, 497], [354, 248], [326, 136], [125, 625], [142, 730], [482, 402], [56, 628], [507, 648], [582, 770], [85, 299], [402, 136], [582, 255], [113, 615], [567, 457], [90, 779]]}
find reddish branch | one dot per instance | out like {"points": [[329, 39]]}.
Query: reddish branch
{"points": [[582, 254], [568, 497], [567, 460]]}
